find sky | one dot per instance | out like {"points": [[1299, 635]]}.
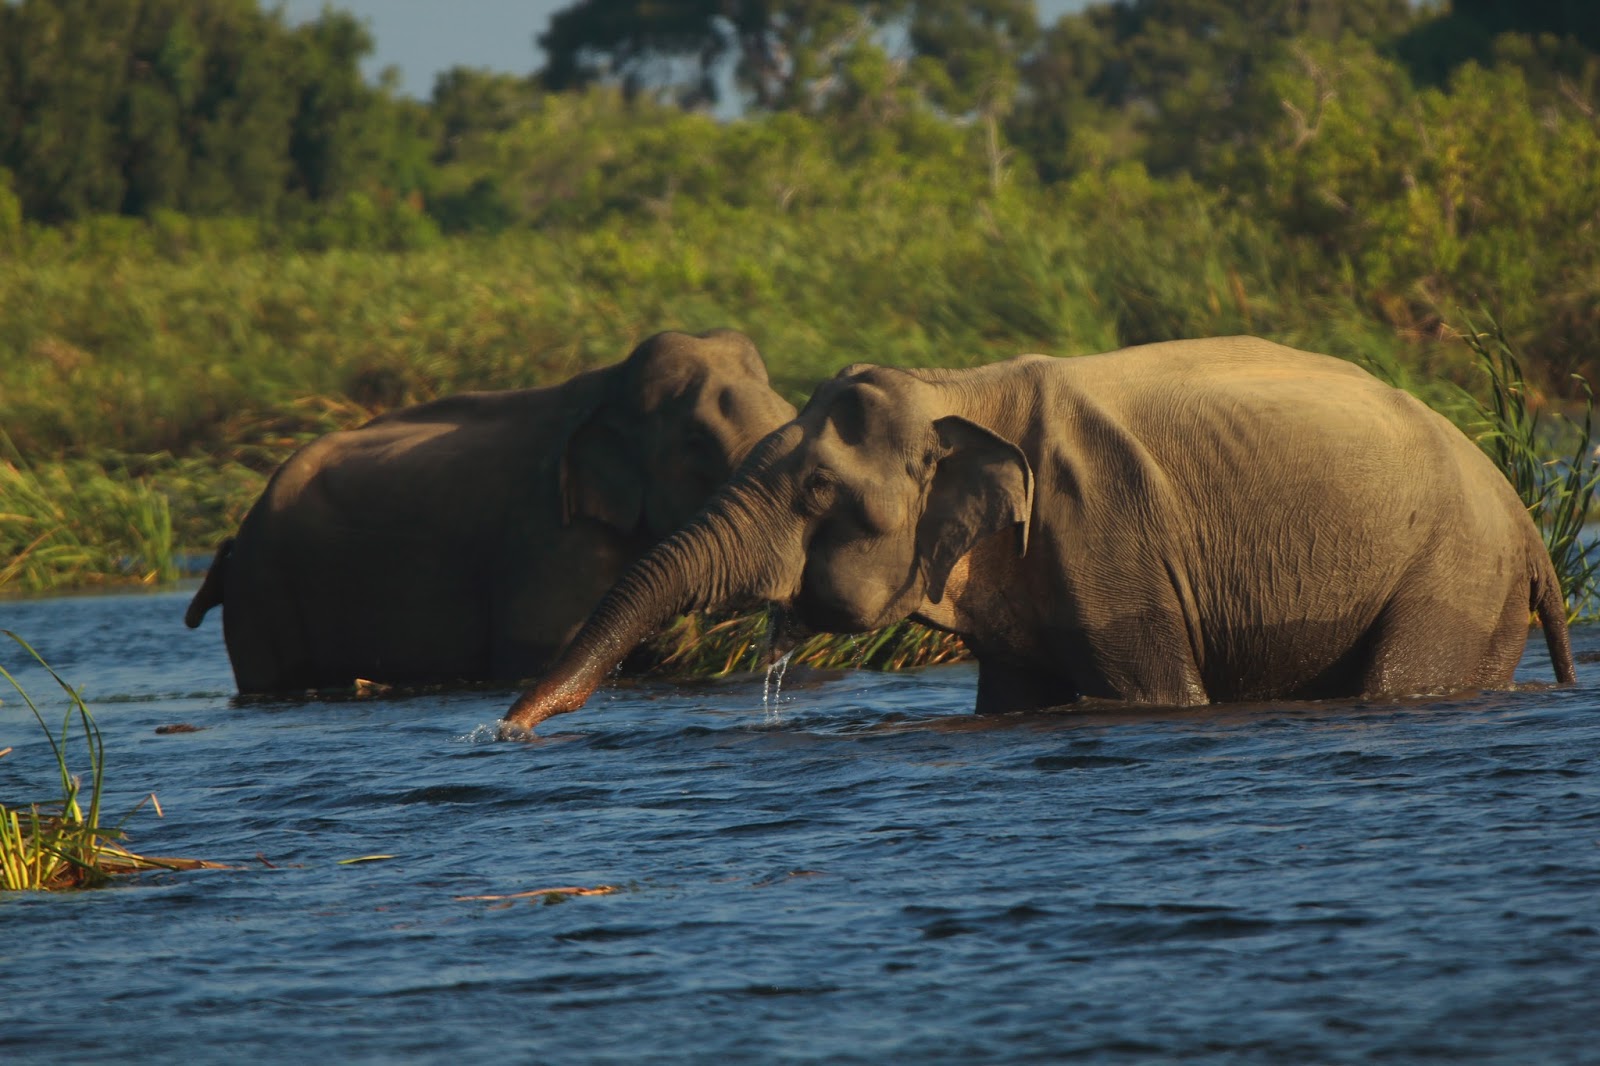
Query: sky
{"points": [[424, 37]]}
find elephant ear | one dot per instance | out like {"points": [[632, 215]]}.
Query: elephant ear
{"points": [[601, 477], [981, 485]]}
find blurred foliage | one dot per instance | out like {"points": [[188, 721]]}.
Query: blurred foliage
{"points": [[217, 241], [137, 106], [74, 523]]}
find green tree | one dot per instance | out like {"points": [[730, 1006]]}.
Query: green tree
{"points": [[679, 45], [143, 106], [1172, 71], [790, 54], [772, 52], [61, 74], [467, 101], [1430, 201], [1467, 31], [330, 141], [967, 58], [202, 113]]}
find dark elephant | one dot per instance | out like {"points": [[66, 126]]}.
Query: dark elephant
{"points": [[1179, 523], [467, 538]]}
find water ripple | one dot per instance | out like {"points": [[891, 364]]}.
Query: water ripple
{"points": [[871, 874]]}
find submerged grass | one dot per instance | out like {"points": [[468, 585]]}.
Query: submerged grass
{"points": [[62, 844]]}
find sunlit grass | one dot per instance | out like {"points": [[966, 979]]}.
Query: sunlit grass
{"points": [[62, 844], [701, 646], [141, 365], [73, 523], [1549, 459], [120, 520]]}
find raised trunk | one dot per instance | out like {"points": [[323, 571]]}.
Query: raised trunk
{"points": [[725, 556]]}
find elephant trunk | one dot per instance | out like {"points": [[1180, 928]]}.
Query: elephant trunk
{"points": [[712, 562]]}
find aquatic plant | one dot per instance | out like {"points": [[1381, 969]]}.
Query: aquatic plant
{"points": [[62, 844], [1551, 463], [700, 645]]}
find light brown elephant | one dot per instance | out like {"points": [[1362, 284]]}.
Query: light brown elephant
{"points": [[467, 538], [1179, 523]]}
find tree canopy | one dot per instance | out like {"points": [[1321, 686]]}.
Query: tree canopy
{"points": [[1409, 160], [115, 106]]}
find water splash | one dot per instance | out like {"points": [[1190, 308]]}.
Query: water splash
{"points": [[772, 688]]}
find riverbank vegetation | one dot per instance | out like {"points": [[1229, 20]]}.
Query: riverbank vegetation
{"points": [[63, 844], [217, 241], [1554, 468]]}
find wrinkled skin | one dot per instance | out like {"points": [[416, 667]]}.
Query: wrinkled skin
{"points": [[467, 539], [1180, 523]]}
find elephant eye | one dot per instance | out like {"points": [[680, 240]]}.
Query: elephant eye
{"points": [[816, 494], [699, 439]]}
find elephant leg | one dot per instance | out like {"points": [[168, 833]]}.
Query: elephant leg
{"points": [[1146, 657], [1006, 687], [1498, 663], [1416, 648]]}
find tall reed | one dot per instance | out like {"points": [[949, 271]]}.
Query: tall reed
{"points": [[1550, 461], [67, 523]]}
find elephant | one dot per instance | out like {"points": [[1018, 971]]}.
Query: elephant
{"points": [[1173, 524], [467, 538]]}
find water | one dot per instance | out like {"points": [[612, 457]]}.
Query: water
{"points": [[873, 876], [772, 689]]}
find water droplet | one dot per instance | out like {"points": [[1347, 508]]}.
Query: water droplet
{"points": [[483, 734], [772, 688]]}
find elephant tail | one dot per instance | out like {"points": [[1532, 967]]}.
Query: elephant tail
{"points": [[1551, 606], [211, 589]]}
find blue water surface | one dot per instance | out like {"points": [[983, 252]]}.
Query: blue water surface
{"points": [[858, 871]]}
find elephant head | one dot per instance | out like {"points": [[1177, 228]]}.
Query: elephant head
{"points": [[854, 514], [677, 415]]}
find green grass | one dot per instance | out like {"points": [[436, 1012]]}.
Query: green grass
{"points": [[73, 523], [1549, 459], [135, 372], [129, 352], [62, 844], [150, 390], [704, 646]]}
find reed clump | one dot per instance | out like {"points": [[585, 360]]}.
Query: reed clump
{"points": [[62, 844], [1549, 458], [71, 523]]}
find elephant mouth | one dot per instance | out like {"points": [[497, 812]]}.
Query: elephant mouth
{"points": [[785, 632], [831, 602], [822, 616]]}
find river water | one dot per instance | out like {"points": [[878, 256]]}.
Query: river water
{"points": [[860, 871]]}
